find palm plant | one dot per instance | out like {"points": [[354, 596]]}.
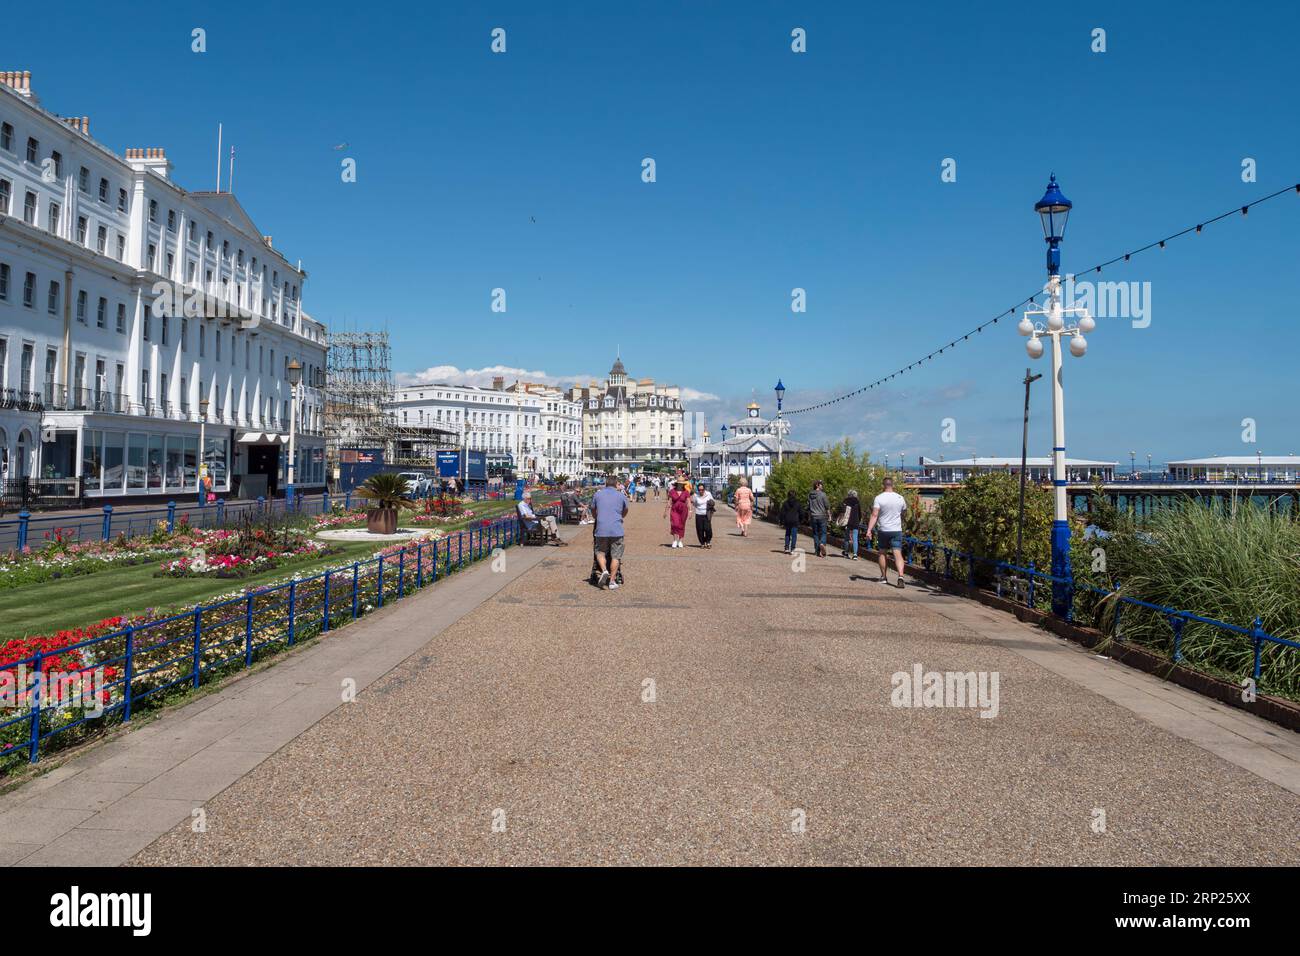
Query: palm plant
{"points": [[388, 492]]}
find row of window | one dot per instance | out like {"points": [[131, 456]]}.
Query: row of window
{"points": [[312, 374], [121, 461], [93, 394], [31, 215], [478, 418], [82, 237], [462, 396], [32, 155]]}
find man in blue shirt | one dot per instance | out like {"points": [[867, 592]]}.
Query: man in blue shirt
{"points": [[609, 506]]}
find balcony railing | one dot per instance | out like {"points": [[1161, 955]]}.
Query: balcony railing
{"points": [[23, 401], [59, 398]]}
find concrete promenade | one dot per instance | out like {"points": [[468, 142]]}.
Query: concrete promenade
{"points": [[723, 707]]}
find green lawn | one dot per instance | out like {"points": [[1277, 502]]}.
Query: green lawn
{"points": [[71, 602]]}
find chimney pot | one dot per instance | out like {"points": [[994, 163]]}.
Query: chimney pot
{"points": [[27, 80]]}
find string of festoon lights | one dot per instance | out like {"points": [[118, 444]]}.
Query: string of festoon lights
{"points": [[1032, 300]]}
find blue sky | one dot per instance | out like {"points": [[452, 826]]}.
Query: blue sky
{"points": [[775, 170]]}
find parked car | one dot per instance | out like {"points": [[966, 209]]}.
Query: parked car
{"points": [[417, 483]]}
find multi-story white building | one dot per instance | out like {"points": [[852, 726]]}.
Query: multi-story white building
{"points": [[629, 425], [128, 306], [530, 428], [506, 426], [559, 438]]}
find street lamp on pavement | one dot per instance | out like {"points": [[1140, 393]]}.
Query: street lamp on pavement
{"points": [[295, 376], [723, 455], [1054, 210], [202, 469], [780, 396]]}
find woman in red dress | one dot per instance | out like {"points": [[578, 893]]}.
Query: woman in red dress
{"points": [[676, 508]]}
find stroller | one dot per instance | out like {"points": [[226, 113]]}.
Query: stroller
{"points": [[640, 492], [594, 578]]}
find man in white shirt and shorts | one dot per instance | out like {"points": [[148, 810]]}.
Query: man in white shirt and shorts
{"points": [[887, 520]]}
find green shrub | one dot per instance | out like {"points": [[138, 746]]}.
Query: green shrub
{"points": [[980, 516], [841, 468]]}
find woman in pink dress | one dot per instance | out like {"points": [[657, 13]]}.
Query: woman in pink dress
{"points": [[744, 507], [676, 508]]}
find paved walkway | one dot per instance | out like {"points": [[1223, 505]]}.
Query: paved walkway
{"points": [[524, 734]]}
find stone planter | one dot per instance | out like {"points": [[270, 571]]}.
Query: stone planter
{"points": [[381, 520]]}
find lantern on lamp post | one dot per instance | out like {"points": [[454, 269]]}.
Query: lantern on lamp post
{"points": [[1054, 209], [780, 397]]}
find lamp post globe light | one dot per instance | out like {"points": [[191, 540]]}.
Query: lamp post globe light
{"points": [[295, 376], [1054, 209], [780, 397]]}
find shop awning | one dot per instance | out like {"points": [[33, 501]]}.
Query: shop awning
{"points": [[263, 438]]}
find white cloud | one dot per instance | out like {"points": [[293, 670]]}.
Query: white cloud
{"points": [[451, 375], [695, 395]]}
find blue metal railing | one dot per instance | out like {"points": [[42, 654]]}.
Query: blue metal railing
{"points": [[145, 659], [35, 531], [1176, 617]]}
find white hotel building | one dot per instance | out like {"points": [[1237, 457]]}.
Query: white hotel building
{"points": [[528, 427], [125, 302], [631, 424]]}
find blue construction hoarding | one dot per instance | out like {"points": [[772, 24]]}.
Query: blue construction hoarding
{"points": [[358, 464], [475, 465]]}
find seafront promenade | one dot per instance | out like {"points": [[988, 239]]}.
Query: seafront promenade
{"points": [[725, 706]]}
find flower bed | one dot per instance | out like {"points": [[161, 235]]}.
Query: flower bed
{"points": [[339, 519], [175, 649], [225, 553], [76, 685], [430, 517], [69, 558]]}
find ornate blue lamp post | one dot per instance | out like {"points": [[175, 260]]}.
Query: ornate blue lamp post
{"points": [[1054, 210], [722, 457], [780, 396]]}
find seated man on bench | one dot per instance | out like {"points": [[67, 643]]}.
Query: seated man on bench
{"points": [[532, 521], [575, 512]]}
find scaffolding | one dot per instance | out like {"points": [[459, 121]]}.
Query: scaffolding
{"points": [[359, 398]]}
